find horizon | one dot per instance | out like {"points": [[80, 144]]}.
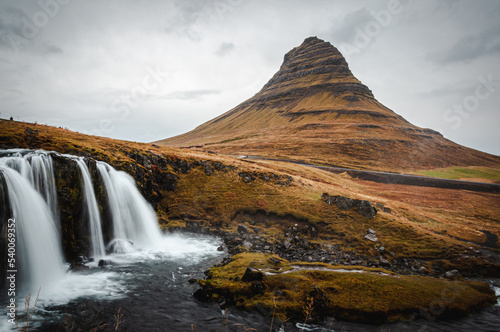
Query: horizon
{"points": [[84, 67]]}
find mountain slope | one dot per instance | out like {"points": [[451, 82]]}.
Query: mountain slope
{"points": [[314, 109]]}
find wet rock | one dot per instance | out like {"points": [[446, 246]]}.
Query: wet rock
{"points": [[76, 267], [102, 263], [345, 203], [203, 294], [220, 248], [252, 274], [367, 210]]}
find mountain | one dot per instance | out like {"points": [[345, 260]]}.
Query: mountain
{"points": [[314, 109]]}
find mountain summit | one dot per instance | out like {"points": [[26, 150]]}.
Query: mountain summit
{"points": [[314, 109]]}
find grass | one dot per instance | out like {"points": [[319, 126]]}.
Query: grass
{"points": [[436, 225], [414, 227], [369, 297], [465, 173]]}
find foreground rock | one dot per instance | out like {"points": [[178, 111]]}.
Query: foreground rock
{"points": [[259, 282]]}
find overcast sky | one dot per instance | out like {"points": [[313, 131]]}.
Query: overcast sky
{"points": [[148, 70]]}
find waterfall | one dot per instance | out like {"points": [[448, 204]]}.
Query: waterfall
{"points": [[36, 167], [133, 218], [30, 193], [38, 252], [92, 211]]}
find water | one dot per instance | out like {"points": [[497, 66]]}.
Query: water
{"points": [[134, 220], [92, 211], [39, 256]]}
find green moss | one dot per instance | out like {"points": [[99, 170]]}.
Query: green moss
{"points": [[374, 296]]}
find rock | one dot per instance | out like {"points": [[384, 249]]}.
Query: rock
{"points": [[258, 288], [208, 167], [367, 210], [192, 281], [102, 263], [252, 274], [242, 229], [274, 260], [325, 196], [371, 237], [384, 261], [220, 248], [247, 177], [453, 274], [371, 231], [76, 267], [247, 244], [345, 203], [203, 294], [331, 200]]}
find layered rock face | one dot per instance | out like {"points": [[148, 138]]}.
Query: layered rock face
{"points": [[314, 109]]}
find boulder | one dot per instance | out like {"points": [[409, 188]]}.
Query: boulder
{"points": [[367, 210], [252, 274], [345, 203], [242, 229]]}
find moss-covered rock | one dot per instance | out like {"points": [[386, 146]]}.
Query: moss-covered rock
{"points": [[314, 291]]}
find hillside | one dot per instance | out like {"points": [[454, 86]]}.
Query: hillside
{"points": [[275, 213], [314, 109]]}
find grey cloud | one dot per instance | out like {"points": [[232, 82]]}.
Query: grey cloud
{"points": [[190, 94], [470, 48], [224, 49], [350, 23]]}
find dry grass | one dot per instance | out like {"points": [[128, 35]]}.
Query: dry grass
{"points": [[425, 223]]}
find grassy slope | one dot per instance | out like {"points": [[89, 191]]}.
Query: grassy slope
{"points": [[425, 223], [422, 222], [481, 174]]}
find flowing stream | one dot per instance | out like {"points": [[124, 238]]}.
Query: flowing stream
{"points": [[143, 285]]}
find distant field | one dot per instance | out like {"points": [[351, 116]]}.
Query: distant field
{"points": [[465, 173]]}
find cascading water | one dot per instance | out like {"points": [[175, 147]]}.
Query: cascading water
{"points": [[37, 242], [134, 219], [92, 211], [28, 193], [36, 167]]}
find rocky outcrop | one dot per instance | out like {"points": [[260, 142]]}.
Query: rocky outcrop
{"points": [[363, 207]]}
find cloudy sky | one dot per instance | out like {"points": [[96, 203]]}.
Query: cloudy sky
{"points": [[147, 70]]}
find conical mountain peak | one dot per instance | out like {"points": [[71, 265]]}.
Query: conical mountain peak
{"points": [[315, 62], [315, 109]]}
